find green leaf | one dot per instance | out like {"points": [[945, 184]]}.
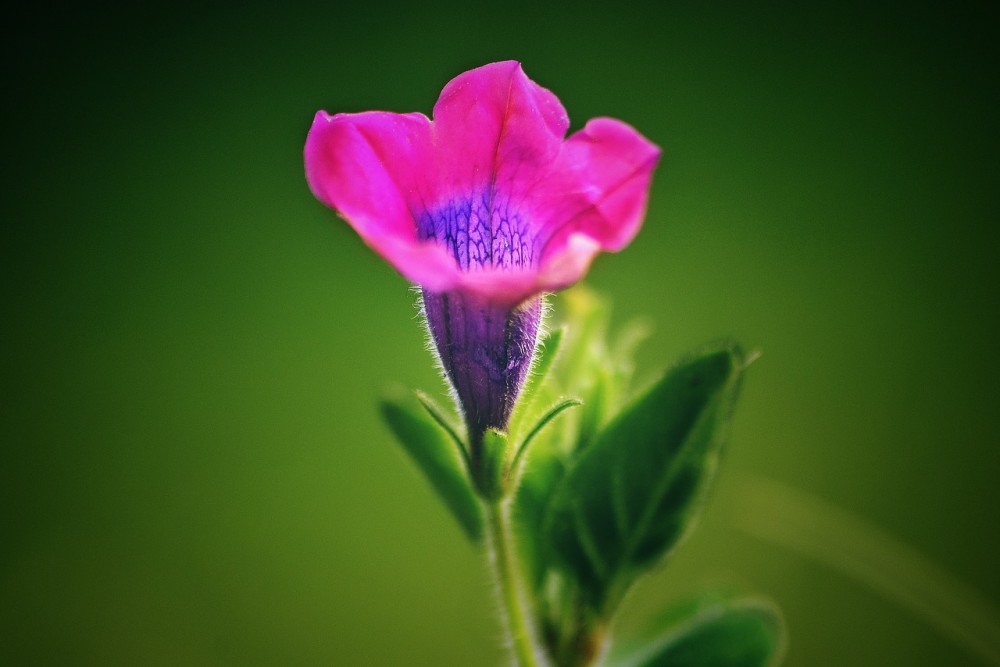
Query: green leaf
{"points": [[549, 415], [743, 633], [434, 411], [432, 449], [631, 495]]}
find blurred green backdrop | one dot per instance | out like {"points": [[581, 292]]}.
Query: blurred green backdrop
{"points": [[192, 467]]}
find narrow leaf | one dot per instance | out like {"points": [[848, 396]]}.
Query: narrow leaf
{"points": [[432, 449], [745, 633], [552, 413], [630, 496], [434, 411]]}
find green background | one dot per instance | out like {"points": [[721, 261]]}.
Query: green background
{"points": [[192, 469]]}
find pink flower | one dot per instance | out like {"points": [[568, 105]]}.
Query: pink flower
{"points": [[488, 198], [485, 207]]}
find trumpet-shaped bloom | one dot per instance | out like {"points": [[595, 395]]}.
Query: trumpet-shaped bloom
{"points": [[486, 206]]}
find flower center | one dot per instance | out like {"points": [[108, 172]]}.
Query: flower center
{"points": [[482, 231]]}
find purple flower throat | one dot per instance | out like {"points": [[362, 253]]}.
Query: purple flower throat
{"points": [[485, 348]]}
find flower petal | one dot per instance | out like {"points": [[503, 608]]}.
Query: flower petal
{"points": [[494, 127], [363, 165], [368, 167], [569, 263], [599, 189]]}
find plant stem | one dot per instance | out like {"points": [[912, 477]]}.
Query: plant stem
{"points": [[510, 590]]}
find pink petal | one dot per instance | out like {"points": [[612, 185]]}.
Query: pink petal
{"points": [[367, 166], [495, 127], [363, 165], [599, 188], [374, 168], [568, 263]]}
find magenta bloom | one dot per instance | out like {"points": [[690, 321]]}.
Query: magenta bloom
{"points": [[486, 206]]}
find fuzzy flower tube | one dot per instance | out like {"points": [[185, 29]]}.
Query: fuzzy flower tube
{"points": [[487, 206]]}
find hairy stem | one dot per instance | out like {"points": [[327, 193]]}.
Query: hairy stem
{"points": [[508, 577]]}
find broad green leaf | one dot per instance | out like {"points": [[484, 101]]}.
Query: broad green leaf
{"points": [[743, 633], [432, 449], [630, 496]]}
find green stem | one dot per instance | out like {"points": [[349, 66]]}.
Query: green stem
{"points": [[510, 590]]}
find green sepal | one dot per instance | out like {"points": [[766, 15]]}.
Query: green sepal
{"points": [[542, 422], [631, 495], [493, 468], [434, 452], [708, 633], [439, 416]]}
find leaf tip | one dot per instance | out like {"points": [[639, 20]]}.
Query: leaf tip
{"points": [[391, 398], [752, 356]]}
